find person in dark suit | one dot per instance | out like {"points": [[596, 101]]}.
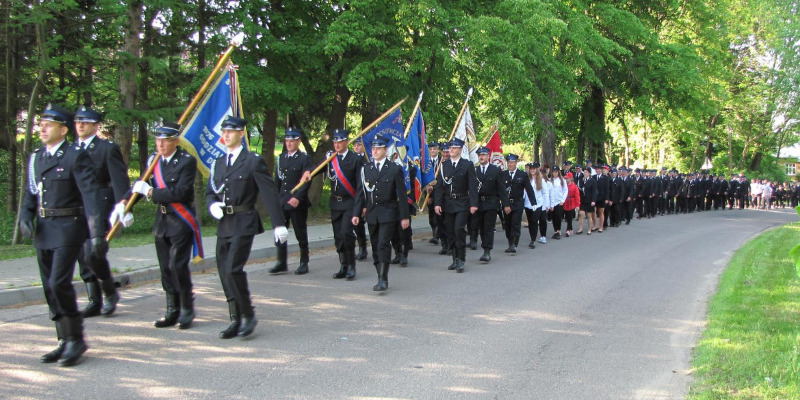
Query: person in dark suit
{"points": [[361, 228], [456, 197], [672, 192], [517, 185], [235, 182], [733, 190], [176, 228], [491, 196], [588, 188], [293, 166], [436, 159], [442, 228], [402, 239], [615, 199], [343, 173], [384, 205], [113, 182], [603, 193], [62, 197], [722, 193], [628, 196]]}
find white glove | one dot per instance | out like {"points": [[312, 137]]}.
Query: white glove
{"points": [[142, 188], [216, 210], [281, 234], [117, 214], [127, 220]]}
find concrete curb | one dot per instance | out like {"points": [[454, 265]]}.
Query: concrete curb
{"points": [[28, 294]]}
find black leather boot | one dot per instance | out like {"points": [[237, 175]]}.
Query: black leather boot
{"points": [[95, 300], [54, 355], [397, 256], [281, 265], [74, 346], [510, 246], [454, 265], [303, 268], [236, 320], [487, 255], [187, 311], [350, 259], [404, 258], [342, 267], [171, 315], [383, 277], [461, 258], [111, 297], [473, 243], [362, 250], [249, 323]]}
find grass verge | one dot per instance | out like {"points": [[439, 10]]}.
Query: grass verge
{"points": [[750, 348]]}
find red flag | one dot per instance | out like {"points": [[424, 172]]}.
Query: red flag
{"points": [[495, 144]]}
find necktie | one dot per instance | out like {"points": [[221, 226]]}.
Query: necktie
{"points": [[378, 165], [230, 159], [483, 170], [83, 145], [454, 164]]}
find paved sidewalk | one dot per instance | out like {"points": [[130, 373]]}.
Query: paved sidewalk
{"points": [[20, 281]]}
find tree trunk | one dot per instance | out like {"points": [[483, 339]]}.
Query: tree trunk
{"points": [[127, 78], [535, 148], [730, 149], [547, 119], [593, 126], [269, 137], [626, 136], [335, 121], [755, 163], [8, 138]]}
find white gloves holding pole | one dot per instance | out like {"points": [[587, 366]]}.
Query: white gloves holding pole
{"points": [[119, 214], [281, 234]]}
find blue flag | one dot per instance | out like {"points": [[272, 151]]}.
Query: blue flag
{"points": [[417, 141], [202, 134], [391, 126]]}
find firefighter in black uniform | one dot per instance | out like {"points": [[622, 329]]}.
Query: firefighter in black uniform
{"points": [[343, 172], [456, 197], [722, 193], [361, 228], [517, 185], [176, 229], [402, 239], [492, 195], [113, 182], [436, 159], [672, 192], [293, 166], [62, 197], [442, 229], [628, 195], [236, 180], [733, 189], [384, 204]]}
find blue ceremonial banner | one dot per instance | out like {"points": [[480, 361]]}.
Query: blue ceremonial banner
{"points": [[390, 126], [418, 151], [202, 134]]}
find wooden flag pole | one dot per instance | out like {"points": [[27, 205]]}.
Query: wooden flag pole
{"points": [[223, 60], [452, 133], [489, 134], [413, 114], [363, 132]]}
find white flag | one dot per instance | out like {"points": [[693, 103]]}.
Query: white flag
{"points": [[466, 132]]}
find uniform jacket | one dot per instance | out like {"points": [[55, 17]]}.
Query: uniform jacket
{"points": [[588, 189], [239, 185], [517, 189], [603, 188], [111, 174], [340, 198], [64, 180], [491, 188], [383, 193], [461, 192], [288, 171]]}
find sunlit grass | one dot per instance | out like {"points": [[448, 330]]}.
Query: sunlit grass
{"points": [[750, 347]]}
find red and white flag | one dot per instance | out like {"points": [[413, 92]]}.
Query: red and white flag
{"points": [[495, 145]]}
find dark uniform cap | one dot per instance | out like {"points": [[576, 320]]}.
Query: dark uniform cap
{"points": [[433, 144], [340, 135], [358, 140], [512, 157], [663, 168], [86, 114], [483, 150], [534, 164], [379, 141], [292, 134], [232, 123], [555, 168], [637, 170], [56, 114], [168, 130], [444, 145], [567, 163], [623, 168], [588, 160], [613, 170], [456, 142]]}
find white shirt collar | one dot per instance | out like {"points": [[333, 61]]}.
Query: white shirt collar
{"points": [[52, 150], [344, 154], [235, 154], [169, 158], [87, 141]]}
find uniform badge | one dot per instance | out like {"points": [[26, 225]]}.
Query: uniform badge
{"points": [[91, 146], [59, 169], [59, 153]]}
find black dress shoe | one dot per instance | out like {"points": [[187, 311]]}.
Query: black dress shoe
{"points": [[185, 318], [362, 253], [396, 259], [73, 350], [380, 286], [170, 319], [279, 268], [342, 272], [486, 257], [557, 236], [513, 249], [231, 331], [54, 355], [110, 304], [248, 325], [460, 267], [508, 250], [453, 266], [433, 241], [532, 245], [351, 272], [628, 222], [473, 245], [302, 269], [403, 260]]}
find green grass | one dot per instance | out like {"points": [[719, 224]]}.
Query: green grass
{"points": [[751, 346]]}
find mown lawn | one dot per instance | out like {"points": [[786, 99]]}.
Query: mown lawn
{"points": [[751, 346]]}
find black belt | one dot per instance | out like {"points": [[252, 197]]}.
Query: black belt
{"points": [[164, 209], [339, 198], [60, 212], [486, 198], [235, 209], [457, 195], [512, 201]]}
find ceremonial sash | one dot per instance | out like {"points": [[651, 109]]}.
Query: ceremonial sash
{"points": [[337, 169], [185, 214]]}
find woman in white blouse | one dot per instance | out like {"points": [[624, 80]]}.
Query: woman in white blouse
{"points": [[558, 195], [536, 213]]}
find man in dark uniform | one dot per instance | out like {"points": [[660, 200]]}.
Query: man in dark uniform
{"points": [[402, 240], [442, 229], [615, 200], [683, 194], [343, 172], [456, 197], [709, 193], [733, 189], [62, 197], [654, 189], [639, 190], [236, 180], [176, 229], [361, 228], [383, 204], [672, 192], [293, 166], [628, 196], [436, 159], [491, 196], [113, 182], [663, 191], [517, 184], [722, 193]]}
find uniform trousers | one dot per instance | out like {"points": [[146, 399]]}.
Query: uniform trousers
{"points": [[627, 207], [232, 255], [56, 268], [173, 254], [92, 267], [344, 235], [558, 216], [513, 226], [537, 221], [456, 223], [380, 235], [298, 218], [568, 217], [483, 222]]}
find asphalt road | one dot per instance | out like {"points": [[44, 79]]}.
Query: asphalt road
{"points": [[608, 316]]}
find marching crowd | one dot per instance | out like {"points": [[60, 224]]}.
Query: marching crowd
{"points": [[77, 192]]}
